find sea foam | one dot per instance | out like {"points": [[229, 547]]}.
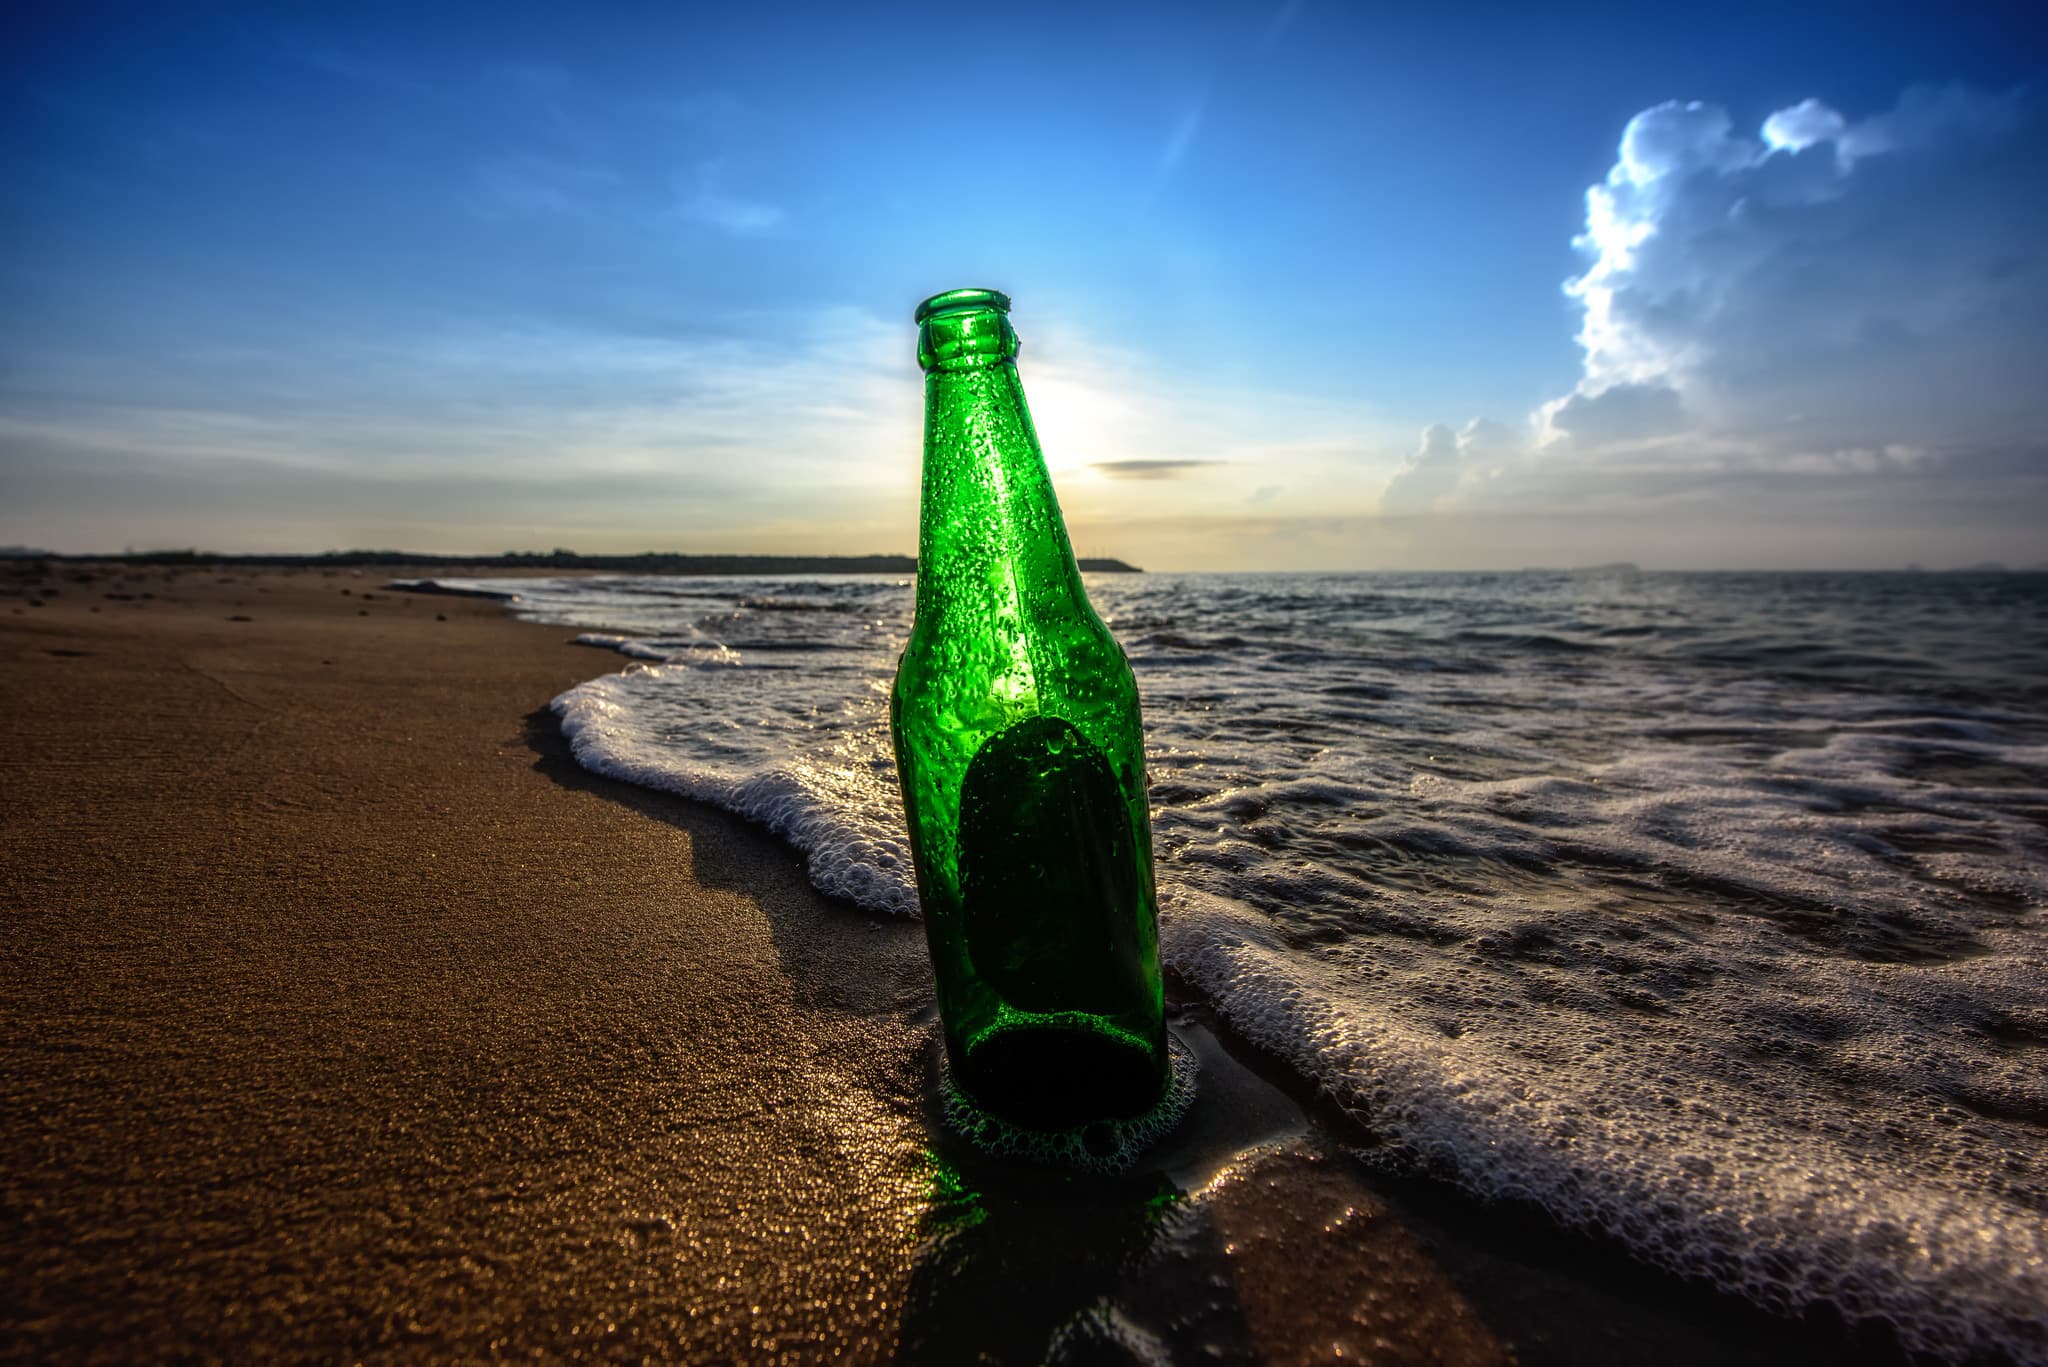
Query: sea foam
{"points": [[1704, 914], [835, 809]]}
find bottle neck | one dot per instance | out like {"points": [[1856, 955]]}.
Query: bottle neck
{"points": [[990, 532]]}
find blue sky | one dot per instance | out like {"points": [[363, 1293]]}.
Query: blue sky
{"points": [[302, 276]]}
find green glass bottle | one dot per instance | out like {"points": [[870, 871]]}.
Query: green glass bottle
{"points": [[1022, 763]]}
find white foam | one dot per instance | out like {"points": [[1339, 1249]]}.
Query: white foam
{"points": [[838, 810], [1708, 965], [1687, 1133], [457, 587], [624, 645]]}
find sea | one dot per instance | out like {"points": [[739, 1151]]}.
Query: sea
{"points": [[1703, 911]]}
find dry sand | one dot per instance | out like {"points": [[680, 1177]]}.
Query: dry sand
{"points": [[343, 1016]]}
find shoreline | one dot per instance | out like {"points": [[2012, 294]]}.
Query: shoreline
{"points": [[347, 1013]]}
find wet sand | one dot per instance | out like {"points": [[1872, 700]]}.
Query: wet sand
{"points": [[342, 1015]]}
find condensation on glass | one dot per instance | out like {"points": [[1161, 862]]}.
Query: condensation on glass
{"points": [[1022, 762]]}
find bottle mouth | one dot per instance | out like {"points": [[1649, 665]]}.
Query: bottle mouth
{"points": [[965, 330], [953, 300]]}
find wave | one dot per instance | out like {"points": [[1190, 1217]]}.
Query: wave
{"points": [[1743, 971]]}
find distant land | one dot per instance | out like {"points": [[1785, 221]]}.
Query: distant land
{"points": [[1611, 567], [673, 562], [646, 562]]}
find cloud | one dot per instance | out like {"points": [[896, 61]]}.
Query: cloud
{"points": [[793, 428], [352, 66], [1427, 475], [1104, 407], [1443, 461], [1803, 125], [529, 185], [1618, 413], [1831, 301], [1151, 469], [729, 214], [1829, 275], [712, 204], [705, 435]]}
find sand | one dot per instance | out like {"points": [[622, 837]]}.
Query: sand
{"points": [[342, 1016]]}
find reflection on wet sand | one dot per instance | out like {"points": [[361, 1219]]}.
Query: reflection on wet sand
{"points": [[1238, 1239]]}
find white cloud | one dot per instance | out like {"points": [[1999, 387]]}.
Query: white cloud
{"points": [[1831, 300], [1427, 475], [1100, 403], [793, 430], [1444, 459], [521, 426], [733, 214], [526, 184], [740, 217], [1619, 413], [1803, 125]]}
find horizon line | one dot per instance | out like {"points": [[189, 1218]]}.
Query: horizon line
{"points": [[363, 556]]}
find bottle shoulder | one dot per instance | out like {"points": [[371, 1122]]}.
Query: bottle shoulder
{"points": [[952, 629], [980, 669]]}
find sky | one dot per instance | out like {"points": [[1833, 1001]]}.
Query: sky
{"points": [[1300, 285]]}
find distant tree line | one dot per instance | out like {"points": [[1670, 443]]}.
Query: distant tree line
{"points": [[647, 562]]}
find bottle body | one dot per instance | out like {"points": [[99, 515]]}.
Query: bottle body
{"points": [[1019, 747]]}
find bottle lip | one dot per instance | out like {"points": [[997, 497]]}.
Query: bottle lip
{"points": [[954, 300]]}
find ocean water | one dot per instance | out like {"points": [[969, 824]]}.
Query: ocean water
{"points": [[1705, 912]]}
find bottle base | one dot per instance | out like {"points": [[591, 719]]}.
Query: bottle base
{"points": [[1053, 1077], [1062, 1130]]}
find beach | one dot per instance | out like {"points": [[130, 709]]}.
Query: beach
{"points": [[346, 1016]]}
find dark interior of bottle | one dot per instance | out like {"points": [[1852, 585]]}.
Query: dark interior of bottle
{"points": [[1056, 1077]]}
